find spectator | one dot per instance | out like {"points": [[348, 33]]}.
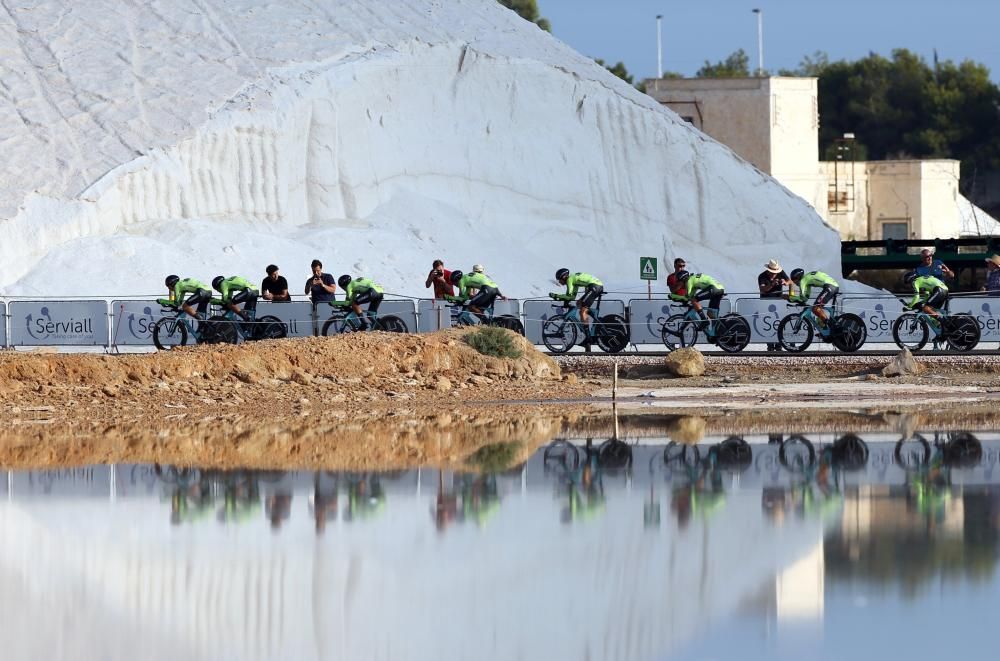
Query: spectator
{"points": [[676, 287], [274, 287], [770, 283], [440, 277], [321, 287], [930, 266], [992, 276]]}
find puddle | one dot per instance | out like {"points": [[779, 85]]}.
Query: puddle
{"points": [[753, 546]]}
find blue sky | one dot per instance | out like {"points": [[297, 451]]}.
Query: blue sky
{"points": [[696, 30]]}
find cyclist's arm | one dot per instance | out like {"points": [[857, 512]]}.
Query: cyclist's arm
{"points": [[167, 303], [916, 297], [340, 304]]}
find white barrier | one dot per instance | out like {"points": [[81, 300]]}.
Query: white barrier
{"points": [[55, 323], [433, 315], [297, 315], [132, 322], [538, 311], [646, 317]]}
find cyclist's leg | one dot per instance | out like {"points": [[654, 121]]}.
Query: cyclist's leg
{"points": [[201, 299], [376, 300], [483, 299], [935, 302], [584, 304], [365, 297], [824, 296], [714, 297], [248, 298]]}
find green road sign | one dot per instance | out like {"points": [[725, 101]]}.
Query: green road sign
{"points": [[647, 268]]}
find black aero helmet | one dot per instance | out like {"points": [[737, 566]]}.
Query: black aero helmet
{"points": [[682, 276], [562, 274], [217, 283], [909, 277], [456, 276], [796, 274], [343, 281], [171, 281]]}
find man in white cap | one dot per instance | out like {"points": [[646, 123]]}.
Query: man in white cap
{"points": [[992, 276], [770, 282]]}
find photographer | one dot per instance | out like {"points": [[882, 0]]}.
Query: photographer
{"points": [[321, 286], [440, 277]]}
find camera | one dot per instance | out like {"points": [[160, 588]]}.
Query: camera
{"points": [[438, 273]]}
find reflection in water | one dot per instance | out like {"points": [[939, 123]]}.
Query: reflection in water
{"points": [[564, 556]]}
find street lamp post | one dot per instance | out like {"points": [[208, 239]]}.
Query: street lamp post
{"points": [[760, 41], [659, 46]]}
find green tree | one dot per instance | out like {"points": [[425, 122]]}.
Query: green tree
{"points": [[618, 69], [528, 10], [737, 65]]}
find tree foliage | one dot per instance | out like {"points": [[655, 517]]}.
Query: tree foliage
{"points": [[618, 69], [737, 65], [902, 107], [528, 10]]}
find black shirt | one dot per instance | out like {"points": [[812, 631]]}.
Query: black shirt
{"points": [[317, 293], [774, 291], [276, 288]]}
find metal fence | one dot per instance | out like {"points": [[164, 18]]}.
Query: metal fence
{"points": [[128, 322]]}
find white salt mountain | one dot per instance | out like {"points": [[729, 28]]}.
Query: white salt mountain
{"points": [[203, 137]]}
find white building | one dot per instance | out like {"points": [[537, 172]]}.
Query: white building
{"points": [[774, 124]]}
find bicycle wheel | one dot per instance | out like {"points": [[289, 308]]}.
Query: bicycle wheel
{"points": [[219, 330], [336, 325], [963, 333], [734, 453], [963, 450], [270, 327], [732, 333], [850, 452], [509, 322], [561, 454], [909, 456], [679, 331], [795, 333], [559, 334], [848, 333], [910, 331], [169, 333], [797, 454], [612, 333], [390, 324]]}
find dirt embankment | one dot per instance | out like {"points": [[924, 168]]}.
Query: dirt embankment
{"points": [[287, 377]]}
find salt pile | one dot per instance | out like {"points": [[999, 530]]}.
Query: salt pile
{"points": [[202, 137]]}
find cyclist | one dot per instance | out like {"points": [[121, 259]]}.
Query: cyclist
{"points": [[701, 287], [593, 288], [828, 291], [930, 293], [201, 295], [245, 293], [358, 291], [485, 296]]}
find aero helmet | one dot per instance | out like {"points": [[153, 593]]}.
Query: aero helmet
{"points": [[217, 283], [171, 281], [343, 281], [562, 274]]}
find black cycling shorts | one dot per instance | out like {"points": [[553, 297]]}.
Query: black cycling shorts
{"points": [[937, 299], [713, 295], [826, 295], [484, 297], [248, 298], [201, 299], [371, 297], [590, 295]]}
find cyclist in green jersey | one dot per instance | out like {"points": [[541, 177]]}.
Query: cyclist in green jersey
{"points": [[358, 291], [806, 282], [485, 296], [701, 287], [592, 289], [236, 290], [929, 293], [201, 295]]}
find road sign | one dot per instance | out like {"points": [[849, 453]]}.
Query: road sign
{"points": [[647, 268]]}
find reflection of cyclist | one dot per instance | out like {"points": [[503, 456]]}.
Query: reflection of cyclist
{"points": [[241, 498], [480, 499], [365, 498], [485, 296], [828, 290], [701, 287], [593, 288], [324, 505], [188, 504], [277, 508], [585, 493], [929, 293], [201, 295], [236, 290], [358, 291]]}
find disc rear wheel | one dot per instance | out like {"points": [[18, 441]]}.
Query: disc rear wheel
{"points": [[732, 333], [849, 332], [963, 332]]}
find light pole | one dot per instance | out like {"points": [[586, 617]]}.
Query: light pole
{"points": [[659, 46], [760, 41]]}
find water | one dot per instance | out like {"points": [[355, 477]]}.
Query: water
{"points": [[830, 549]]}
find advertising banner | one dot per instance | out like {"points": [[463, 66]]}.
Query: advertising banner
{"points": [[986, 310], [878, 313], [132, 322], [435, 315], [402, 309], [3, 324], [297, 316], [646, 317], [53, 323]]}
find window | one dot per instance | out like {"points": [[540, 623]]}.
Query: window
{"points": [[895, 230]]}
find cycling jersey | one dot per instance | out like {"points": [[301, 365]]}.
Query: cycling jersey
{"points": [[577, 280], [810, 280], [471, 281], [699, 282], [187, 286], [926, 286], [233, 285], [358, 287]]}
